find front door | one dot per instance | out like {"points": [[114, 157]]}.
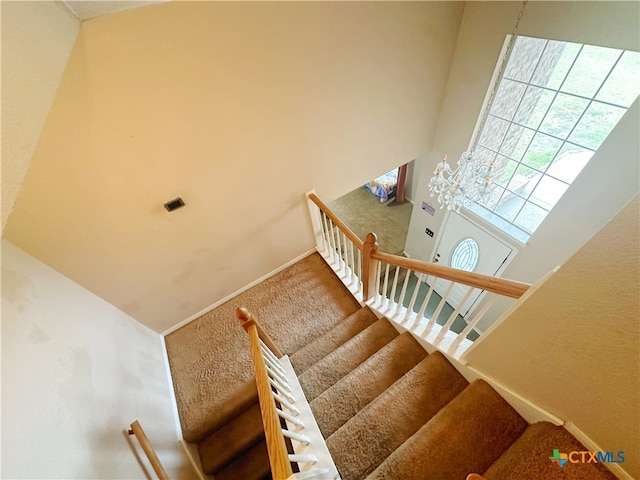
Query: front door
{"points": [[466, 246]]}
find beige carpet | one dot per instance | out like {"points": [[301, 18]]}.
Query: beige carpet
{"points": [[363, 213], [295, 306]]}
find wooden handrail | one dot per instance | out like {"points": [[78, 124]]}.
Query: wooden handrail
{"points": [[136, 429], [508, 288], [247, 319], [276, 446], [339, 223]]}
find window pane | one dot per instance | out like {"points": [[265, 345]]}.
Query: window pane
{"points": [[523, 181], [548, 192], [569, 163], [552, 70], [530, 217], [563, 115], [524, 58], [542, 150], [590, 70], [492, 201], [509, 205], [493, 133], [485, 156], [623, 85], [596, 124], [516, 142], [533, 107], [508, 170], [507, 99]]}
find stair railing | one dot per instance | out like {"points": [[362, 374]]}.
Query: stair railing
{"points": [[382, 280], [136, 429], [283, 413]]}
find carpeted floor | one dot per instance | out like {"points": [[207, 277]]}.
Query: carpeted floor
{"points": [[295, 306], [363, 213]]}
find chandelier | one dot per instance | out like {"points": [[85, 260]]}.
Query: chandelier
{"points": [[472, 179]]}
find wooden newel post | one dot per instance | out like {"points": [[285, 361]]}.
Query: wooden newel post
{"points": [[247, 320], [369, 267]]}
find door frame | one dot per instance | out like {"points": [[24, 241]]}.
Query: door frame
{"points": [[515, 249]]}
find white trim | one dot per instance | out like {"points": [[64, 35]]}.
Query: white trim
{"points": [[191, 452], [236, 293], [174, 403], [529, 410], [582, 437], [195, 461]]}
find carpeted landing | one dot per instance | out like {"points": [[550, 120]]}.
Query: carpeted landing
{"points": [[387, 409]]}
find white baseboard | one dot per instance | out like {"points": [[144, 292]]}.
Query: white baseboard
{"points": [[172, 393], [236, 293], [582, 437], [529, 410]]}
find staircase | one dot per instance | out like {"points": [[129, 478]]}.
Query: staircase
{"points": [[389, 410]]}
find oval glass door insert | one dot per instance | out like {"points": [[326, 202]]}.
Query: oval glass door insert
{"points": [[465, 255]]}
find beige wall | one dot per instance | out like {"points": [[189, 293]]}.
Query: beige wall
{"points": [[612, 176], [237, 107], [573, 346], [75, 373], [37, 38]]}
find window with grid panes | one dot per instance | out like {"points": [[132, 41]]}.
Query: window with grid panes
{"points": [[555, 104]]}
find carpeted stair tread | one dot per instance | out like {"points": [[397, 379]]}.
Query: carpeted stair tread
{"points": [[334, 407], [338, 335], [236, 436], [250, 465], [245, 397], [467, 435], [362, 443], [345, 358], [210, 359], [528, 458]]}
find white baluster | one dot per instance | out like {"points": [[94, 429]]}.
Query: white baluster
{"points": [[385, 285], [435, 315], [403, 292], [277, 376], [394, 285], [310, 458], [412, 302], [474, 321], [286, 404], [290, 418], [447, 326], [353, 264], [281, 390], [325, 234], [425, 302], [296, 436]]}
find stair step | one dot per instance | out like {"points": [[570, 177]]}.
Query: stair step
{"points": [[529, 456], [345, 358], [362, 443], [244, 397], [467, 435], [334, 407], [250, 465], [311, 353], [232, 439]]}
